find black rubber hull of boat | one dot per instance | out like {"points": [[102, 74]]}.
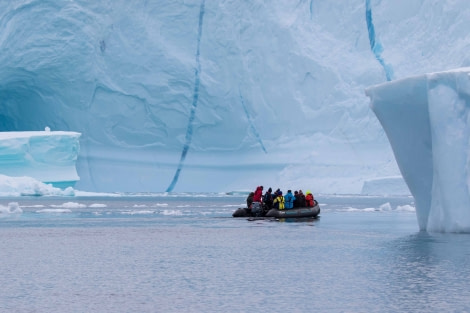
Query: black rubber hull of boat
{"points": [[310, 212], [242, 212], [295, 213]]}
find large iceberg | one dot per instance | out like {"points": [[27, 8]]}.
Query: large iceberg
{"points": [[195, 95], [38, 158], [427, 120]]}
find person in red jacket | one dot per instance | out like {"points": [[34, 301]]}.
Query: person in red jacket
{"points": [[258, 194], [309, 199]]}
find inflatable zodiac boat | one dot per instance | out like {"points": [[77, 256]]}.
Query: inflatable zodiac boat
{"points": [[256, 211]]}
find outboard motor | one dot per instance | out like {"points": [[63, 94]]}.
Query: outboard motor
{"points": [[256, 209]]}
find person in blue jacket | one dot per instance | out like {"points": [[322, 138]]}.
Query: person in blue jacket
{"points": [[289, 199]]}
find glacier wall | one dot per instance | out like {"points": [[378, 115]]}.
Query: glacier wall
{"points": [[201, 95], [427, 120]]}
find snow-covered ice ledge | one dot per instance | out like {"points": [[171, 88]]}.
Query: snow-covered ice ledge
{"points": [[47, 156], [427, 121]]}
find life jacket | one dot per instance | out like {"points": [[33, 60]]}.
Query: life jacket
{"points": [[309, 199], [279, 203], [289, 200]]}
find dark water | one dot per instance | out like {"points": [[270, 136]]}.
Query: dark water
{"points": [[185, 253]]}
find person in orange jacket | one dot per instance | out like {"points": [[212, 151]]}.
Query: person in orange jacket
{"points": [[309, 199]]}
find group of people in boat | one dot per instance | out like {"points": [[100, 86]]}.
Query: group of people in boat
{"points": [[279, 201]]}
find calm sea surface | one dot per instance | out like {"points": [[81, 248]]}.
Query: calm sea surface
{"points": [[185, 253]]}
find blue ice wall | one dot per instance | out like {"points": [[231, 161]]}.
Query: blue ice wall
{"points": [[219, 95]]}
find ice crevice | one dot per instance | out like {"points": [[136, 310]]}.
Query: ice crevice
{"points": [[375, 45], [250, 121], [192, 114]]}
